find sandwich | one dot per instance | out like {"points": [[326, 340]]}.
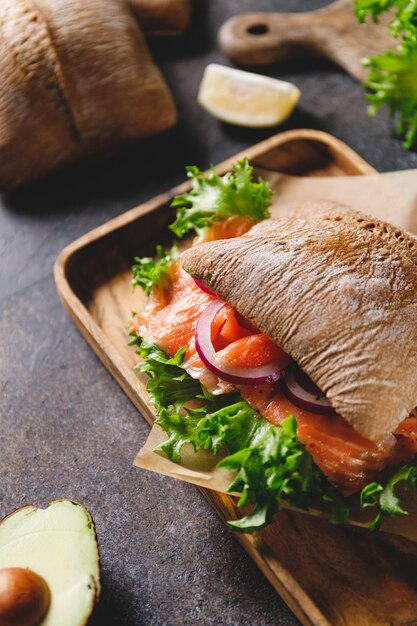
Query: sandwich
{"points": [[286, 346]]}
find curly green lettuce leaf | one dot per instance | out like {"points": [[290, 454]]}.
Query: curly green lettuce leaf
{"points": [[194, 428], [148, 271], [391, 75], [404, 13], [392, 82], [375, 8], [273, 466], [168, 385], [383, 496], [215, 197]]}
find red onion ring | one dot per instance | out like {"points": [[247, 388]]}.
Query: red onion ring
{"points": [[269, 373], [203, 287], [302, 392]]}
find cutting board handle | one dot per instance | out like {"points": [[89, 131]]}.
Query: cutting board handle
{"points": [[332, 32]]}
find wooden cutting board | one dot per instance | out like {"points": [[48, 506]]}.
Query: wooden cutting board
{"points": [[332, 33], [328, 575]]}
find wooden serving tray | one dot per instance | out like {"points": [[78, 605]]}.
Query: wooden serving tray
{"points": [[328, 575]]}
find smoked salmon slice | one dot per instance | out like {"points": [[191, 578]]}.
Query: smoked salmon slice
{"points": [[233, 226], [171, 323]]}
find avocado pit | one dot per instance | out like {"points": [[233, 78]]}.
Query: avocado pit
{"points": [[24, 597]]}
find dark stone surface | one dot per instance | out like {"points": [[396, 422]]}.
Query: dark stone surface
{"points": [[66, 429]]}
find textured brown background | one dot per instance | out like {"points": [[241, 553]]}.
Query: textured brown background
{"points": [[66, 429]]}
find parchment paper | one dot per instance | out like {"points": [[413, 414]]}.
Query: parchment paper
{"points": [[199, 469], [392, 197]]}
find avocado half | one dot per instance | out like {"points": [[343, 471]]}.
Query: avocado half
{"points": [[58, 543]]}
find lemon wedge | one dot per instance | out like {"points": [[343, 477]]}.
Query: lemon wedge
{"points": [[245, 98]]}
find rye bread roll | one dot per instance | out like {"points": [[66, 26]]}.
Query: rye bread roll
{"points": [[337, 290], [77, 81]]}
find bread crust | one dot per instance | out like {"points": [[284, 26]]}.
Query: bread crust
{"points": [[337, 290]]}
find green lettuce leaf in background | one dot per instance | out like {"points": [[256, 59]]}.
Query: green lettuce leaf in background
{"points": [[392, 74]]}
